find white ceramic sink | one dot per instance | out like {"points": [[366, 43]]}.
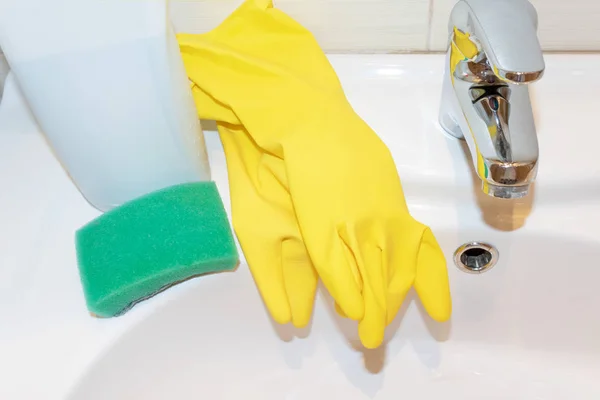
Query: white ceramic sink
{"points": [[527, 329]]}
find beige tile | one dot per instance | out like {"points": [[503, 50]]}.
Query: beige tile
{"points": [[563, 25], [338, 25], [198, 16], [569, 24], [438, 31]]}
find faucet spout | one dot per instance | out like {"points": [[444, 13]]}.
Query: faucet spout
{"points": [[485, 99], [506, 32]]}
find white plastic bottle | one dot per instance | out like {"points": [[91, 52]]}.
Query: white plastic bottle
{"points": [[106, 82]]}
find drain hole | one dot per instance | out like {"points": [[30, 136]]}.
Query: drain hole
{"points": [[475, 257]]}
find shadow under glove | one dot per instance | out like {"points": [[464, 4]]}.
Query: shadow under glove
{"points": [[269, 72]]}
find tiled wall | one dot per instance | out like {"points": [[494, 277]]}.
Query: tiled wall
{"points": [[383, 26], [399, 25]]}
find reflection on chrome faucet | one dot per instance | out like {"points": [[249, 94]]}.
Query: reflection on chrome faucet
{"points": [[491, 104], [493, 53]]}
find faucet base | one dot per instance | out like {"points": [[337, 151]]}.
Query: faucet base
{"points": [[450, 126], [449, 107], [505, 192]]}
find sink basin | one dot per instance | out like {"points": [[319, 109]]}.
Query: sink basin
{"points": [[526, 329]]}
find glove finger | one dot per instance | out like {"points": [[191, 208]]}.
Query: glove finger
{"points": [[360, 239], [371, 328], [300, 279], [251, 214], [338, 269], [283, 271], [431, 282], [299, 276], [401, 247], [265, 264]]}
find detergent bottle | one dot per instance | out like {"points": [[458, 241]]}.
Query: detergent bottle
{"points": [[106, 83]]}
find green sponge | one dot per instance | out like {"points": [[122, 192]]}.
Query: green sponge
{"points": [[148, 244]]}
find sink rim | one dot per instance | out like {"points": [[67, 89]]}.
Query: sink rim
{"points": [[52, 324]]}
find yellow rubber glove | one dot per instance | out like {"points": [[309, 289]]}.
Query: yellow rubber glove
{"points": [[264, 221], [269, 71]]}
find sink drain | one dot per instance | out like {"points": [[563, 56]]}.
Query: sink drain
{"points": [[475, 257]]}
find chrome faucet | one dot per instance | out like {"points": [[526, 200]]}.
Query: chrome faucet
{"points": [[493, 53]]}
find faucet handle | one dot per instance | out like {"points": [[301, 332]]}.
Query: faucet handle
{"points": [[506, 31]]}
